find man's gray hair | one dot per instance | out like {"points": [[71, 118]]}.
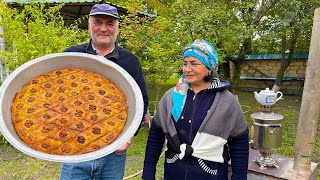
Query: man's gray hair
{"points": [[90, 18]]}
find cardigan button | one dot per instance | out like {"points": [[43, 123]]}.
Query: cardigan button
{"points": [[190, 121]]}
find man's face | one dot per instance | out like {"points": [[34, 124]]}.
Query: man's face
{"points": [[103, 30]]}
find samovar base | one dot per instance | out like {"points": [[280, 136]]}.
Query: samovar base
{"points": [[265, 160]]}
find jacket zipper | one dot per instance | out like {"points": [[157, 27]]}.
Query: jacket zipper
{"points": [[190, 131]]}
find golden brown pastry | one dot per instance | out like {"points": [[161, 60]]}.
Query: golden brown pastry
{"points": [[69, 111]]}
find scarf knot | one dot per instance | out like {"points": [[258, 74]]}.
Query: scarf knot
{"points": [[186, 151]]}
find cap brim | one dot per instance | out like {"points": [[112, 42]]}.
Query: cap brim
{"points": [[108, 14]]}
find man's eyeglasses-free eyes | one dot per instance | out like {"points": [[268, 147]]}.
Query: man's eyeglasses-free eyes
{"points": [[190, 65]]}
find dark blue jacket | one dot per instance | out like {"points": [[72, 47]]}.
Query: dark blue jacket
{"points": [[192, 168], [126, 60]]}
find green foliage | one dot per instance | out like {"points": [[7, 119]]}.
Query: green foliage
{"points": [[227, 25], [210, 20], [3, 141], [154, 93], [35, 31], [158, 51], [282, 21]]}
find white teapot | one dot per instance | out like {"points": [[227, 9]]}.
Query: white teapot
{"points": [[267, 97]]}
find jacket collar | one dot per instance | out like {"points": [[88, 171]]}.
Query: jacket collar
{"points": [[113, 55]]}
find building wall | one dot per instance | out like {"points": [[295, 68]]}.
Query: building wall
{"points": [[265, 67], [297, 68]]}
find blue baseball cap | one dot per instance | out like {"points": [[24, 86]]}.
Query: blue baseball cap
{"points": [[104, 9]]}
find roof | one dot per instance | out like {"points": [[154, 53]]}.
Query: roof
{"points": [[263, 78], [74, 9], [275, 56], [52, 1]]}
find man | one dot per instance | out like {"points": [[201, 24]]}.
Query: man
{"points": [[103, 27]]}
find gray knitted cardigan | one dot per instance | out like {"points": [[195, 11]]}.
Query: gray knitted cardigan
{"points": [[224, 119]]}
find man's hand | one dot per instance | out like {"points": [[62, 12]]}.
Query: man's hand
{"points": [[125, 146]]}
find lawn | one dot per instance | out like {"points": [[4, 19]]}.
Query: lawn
{"points": [[16, 165]]}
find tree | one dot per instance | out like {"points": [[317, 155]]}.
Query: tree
{"points": [[286, 29], [157, 50], [229, 25], [251, 14], [295, 24], [235, 28], [33, 32]]}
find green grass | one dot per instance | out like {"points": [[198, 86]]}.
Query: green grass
{"points": [[135, 154], [16, 165], [153, 92]]}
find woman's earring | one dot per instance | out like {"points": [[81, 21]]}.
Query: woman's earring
{"points": [[208, 78]]}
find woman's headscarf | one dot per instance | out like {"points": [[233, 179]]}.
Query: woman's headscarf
{"points": [[204, 52], [207, 55]]}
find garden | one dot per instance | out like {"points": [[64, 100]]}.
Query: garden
{"points": [[236, 28]]}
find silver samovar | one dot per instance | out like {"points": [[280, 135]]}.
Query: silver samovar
{"points": [[266, 130]]}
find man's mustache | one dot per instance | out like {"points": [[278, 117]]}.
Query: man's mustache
{"points": [[103, 34]]}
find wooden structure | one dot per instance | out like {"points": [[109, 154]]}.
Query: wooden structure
{"points": [[75, 9], [259, 71]]}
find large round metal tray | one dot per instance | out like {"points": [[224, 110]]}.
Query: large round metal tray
{"points": [[98, 64]]}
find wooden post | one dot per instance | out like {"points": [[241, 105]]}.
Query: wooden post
{"points": [[310, 106]]}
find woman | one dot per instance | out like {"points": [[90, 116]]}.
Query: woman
{"points": [[201, 122]]}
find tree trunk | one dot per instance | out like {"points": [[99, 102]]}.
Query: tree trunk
{"points": [[224, 70], [246, 49], [247, 43], [236, 75], [285, 62], [156, 102]]}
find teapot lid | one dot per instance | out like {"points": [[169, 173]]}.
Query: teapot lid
{"points": [[266, 90]]}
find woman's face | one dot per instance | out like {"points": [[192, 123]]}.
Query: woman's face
{"points": [[194, 71]]}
